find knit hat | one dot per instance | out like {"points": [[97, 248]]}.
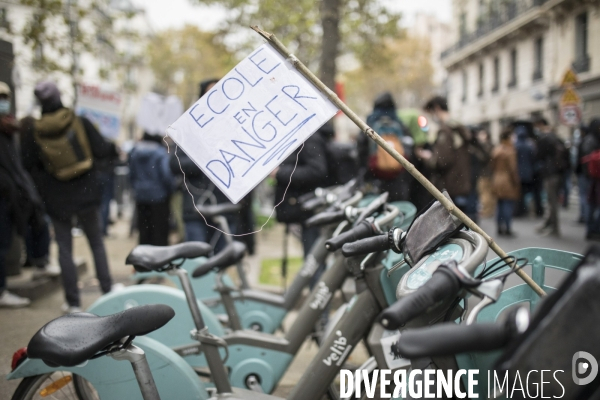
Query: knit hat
{"points": [[48, 95]]}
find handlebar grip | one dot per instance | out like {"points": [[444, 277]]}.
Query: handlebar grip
{"points": [[442, 284], [313, 204], [325, 217], [366, 246], [363, 230], [449, 339]]}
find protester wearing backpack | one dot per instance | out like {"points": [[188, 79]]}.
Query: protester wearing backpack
{"points": [[382, 170], [552, 162], [59, 150]]}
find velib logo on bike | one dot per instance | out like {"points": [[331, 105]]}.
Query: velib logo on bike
{"points": [[339, 350], [322, 297], [584, 367]]}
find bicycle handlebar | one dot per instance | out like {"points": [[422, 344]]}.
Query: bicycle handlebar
{"points": [[366, 246], [449, 338], [443, 284], [363, 230], [325, 218]]}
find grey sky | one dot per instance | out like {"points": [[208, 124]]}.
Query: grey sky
{"points": [[164, 14]]}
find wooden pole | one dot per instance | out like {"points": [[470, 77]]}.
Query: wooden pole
{"points": [[277, 45]]}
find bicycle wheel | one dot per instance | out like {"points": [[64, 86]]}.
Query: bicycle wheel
{"points": [[58, 385]]}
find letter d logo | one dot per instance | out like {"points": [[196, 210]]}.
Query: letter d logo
{"points": [[590, 365]]}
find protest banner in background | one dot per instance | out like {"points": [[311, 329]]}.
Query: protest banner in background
{"points": [[250, 121], [101, 107]]}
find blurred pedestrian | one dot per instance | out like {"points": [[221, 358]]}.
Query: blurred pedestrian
{"points": [[59, 150], [484, 180], [480, 157], [591, 148], [204, 192], [385, 173], [418, 127], [309, 173], [18, 201], [505, 181], [152, 184], [553, 160], [584, 147], [526, 158], [106, 176], [449, 158]]}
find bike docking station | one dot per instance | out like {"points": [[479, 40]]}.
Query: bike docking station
{"points": [[412, 283]]}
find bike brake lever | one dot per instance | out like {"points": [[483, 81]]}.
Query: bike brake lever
{"points": [[489, 292]]}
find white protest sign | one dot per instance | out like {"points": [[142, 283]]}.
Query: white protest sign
{"points": [[250, 121], [102, 107]]}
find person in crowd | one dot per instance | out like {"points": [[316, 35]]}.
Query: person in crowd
{"points": [[484, 180], [19, 202], [505, 181], [552, 160], [449, 159], [203, 191], [583, 178], [480, 156], [59, 150], [591, 144], [418, 127], [152, 184], [106, 176], [526, 157], [385, 173], [304, 176]]}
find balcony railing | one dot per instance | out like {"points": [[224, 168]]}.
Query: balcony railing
{"points": [[499, 13]]}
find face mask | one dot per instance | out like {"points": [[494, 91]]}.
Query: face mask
{"points": [[4, 107]]}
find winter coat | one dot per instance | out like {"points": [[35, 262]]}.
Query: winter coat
{"points": [[203, 190], [16, 187], [149, 172], [525, 157], [546, 160], [505, 176], [63, 198], [310, 173], [450, 163]]}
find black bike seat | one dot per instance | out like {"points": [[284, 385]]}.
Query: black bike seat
{"points": [[214, 210], [230, 255], [72, 339], [146, 258]]}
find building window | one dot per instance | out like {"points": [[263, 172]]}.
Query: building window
{"points": [[538, 59], [4, 18], [496, 85], [513, 68], [481, 81], [582, 59], [464, 86]]}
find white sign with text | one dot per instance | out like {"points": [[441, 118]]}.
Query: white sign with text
{"points": [[102, 107], [250, 121]]}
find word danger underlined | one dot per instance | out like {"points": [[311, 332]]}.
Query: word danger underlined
{"points": [[250, 121]]}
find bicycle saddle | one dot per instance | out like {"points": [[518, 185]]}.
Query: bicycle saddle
{"points": [[72, 339], [210, 211], [230, 255], [146, 258]]}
